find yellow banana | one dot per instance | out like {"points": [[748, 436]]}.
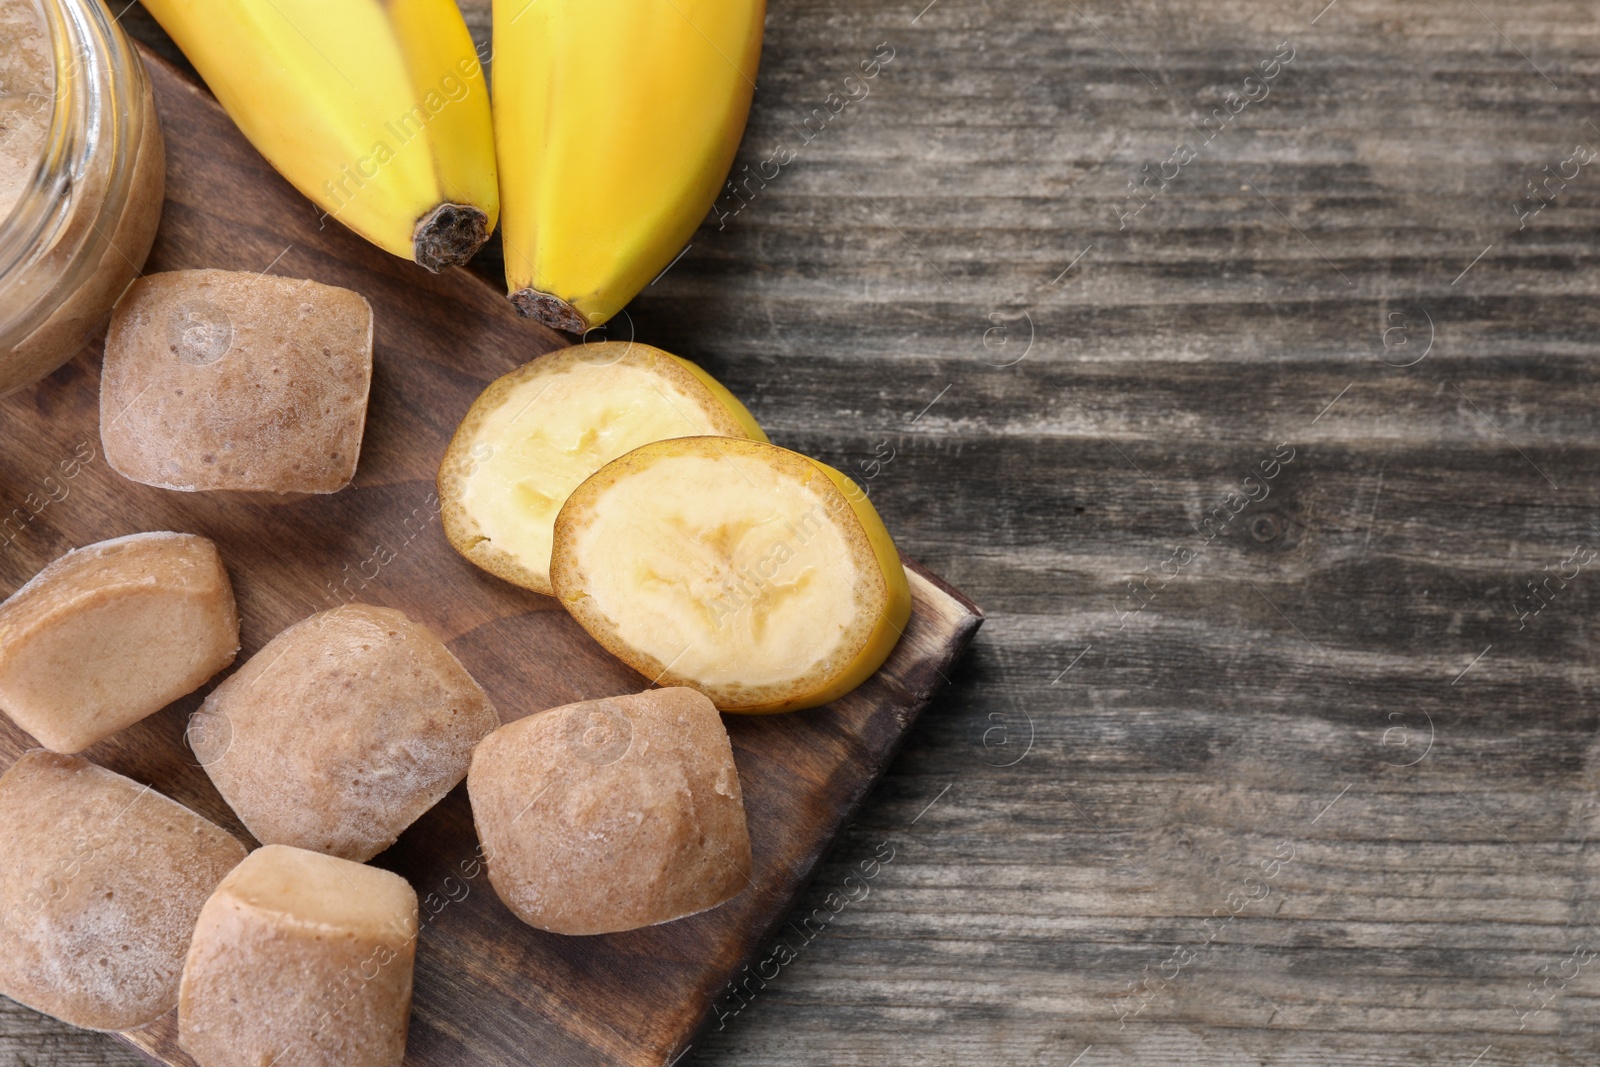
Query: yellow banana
{"points": [[615, 122], [375, 109]]}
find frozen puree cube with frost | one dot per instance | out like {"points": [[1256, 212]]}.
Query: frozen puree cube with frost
{"points": [[229, 380], [101, 881], [300, 960], [112, 632], [342, 731], [612, 814]]}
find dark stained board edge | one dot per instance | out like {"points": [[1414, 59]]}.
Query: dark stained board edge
{"points": [[963, 625]]}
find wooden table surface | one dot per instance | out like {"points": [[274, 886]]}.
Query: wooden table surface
{"points": [[1275, 473]]}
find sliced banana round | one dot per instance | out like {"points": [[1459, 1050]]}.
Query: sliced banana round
{"points": [[535, 434], [756, 575]]}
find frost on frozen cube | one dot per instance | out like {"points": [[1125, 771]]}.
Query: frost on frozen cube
{"points": [[613, 814], [112, 632], [300, 960], [224, 380], [101, 882], [342, 731]]}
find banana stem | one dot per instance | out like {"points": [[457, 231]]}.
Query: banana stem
{"points": [[449, 235], [553, 311]]}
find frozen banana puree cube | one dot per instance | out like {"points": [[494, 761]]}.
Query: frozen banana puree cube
{"points": [[342, 731], [219, 379], [613, 814], [112, 632], [300, 960], [101, 881]]}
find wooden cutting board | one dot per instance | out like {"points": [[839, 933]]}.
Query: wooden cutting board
{"points": [[489, 990]]}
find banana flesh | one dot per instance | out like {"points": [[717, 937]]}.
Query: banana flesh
{"points": [[537, 433], [734, 567]]}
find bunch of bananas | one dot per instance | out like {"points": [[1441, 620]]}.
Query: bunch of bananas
{"points": [[614, 123]]}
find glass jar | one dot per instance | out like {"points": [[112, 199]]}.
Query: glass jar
{"points": [[79, 232]]}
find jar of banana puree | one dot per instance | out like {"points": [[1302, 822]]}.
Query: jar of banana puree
{"points": [[82, 168]]}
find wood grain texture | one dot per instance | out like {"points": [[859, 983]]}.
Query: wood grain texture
{"points": [[1290, 660], [489, 990]]}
